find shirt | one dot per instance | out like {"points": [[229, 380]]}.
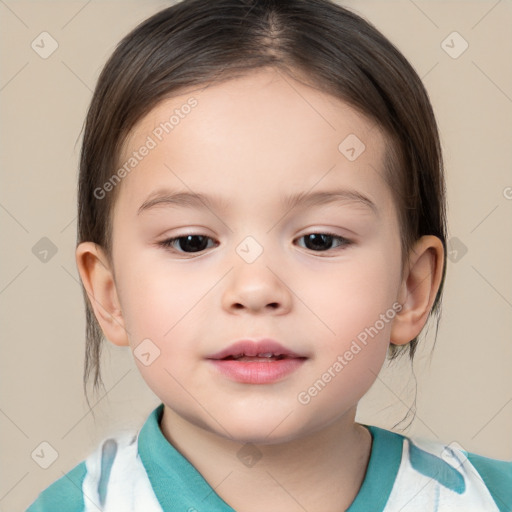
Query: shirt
{"points": [[144, 472]]}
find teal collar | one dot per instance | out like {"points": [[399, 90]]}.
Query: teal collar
{"points": [[179, 486]]}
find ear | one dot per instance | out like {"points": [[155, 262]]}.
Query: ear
{"points": [[98, 279], [418, 290]]}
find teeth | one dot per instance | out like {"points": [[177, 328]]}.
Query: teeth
{"points": [[261, 355]]}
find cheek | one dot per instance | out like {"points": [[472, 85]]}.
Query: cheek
{"points": [[158, 303], [351, 297], [355, 304], [164, 302], [153, 297], [357, 312]]}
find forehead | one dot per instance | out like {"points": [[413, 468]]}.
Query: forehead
{"points": [[257, 135]]}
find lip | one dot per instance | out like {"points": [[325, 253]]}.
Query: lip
{"points": [[258, 371]]}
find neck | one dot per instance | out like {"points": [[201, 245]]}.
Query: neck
{"points": [[322, 471]]}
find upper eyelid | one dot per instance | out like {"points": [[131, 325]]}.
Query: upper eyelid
{"points": [[316, 232]]}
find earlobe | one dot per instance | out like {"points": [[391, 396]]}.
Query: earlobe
{"points": [[419, 288], [98, 280]]}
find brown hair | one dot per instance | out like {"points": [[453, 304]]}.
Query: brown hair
{"points": [[199, 42]]}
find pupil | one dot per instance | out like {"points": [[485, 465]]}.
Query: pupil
{"points": [[318, 241], [195, 243]]}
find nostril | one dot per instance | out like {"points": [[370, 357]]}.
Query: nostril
{"points": [[271, 305]]}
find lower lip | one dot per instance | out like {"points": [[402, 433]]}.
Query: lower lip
{"points": [[252, 372]]}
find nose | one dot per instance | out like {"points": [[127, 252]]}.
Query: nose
{"points": [[255, 288]]}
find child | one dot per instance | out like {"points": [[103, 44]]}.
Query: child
{"points": [[262, 220]]}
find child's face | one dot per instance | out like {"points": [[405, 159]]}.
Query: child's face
{"points": [[250, 143]]}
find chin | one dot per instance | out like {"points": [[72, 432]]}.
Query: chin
{"points": [[260, 429]]}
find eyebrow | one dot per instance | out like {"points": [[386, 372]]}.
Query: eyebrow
{"points": [[302, 199]]}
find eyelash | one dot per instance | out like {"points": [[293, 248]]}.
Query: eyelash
{"points": [[169, 243]]}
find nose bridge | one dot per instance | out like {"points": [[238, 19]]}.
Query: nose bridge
{"points": [[254, 283]]}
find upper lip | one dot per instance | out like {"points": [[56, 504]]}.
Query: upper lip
{"points": [[252, 348]]}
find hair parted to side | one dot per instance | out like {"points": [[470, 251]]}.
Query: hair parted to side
{"points": [[200, 42]]}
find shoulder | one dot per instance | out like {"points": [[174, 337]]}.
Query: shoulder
{"points": [[85, 486], [64, 495], [497, 476], [460, 478]]}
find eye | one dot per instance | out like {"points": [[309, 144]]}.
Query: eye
{"points": [[190, 244], [187, 244], [322, 242]]}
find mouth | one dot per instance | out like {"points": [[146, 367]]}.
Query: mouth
{"points": [[267, 357], [261, 350], [257, 362]]}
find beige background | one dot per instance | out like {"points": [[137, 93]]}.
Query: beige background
{"points": [[465, 388]]}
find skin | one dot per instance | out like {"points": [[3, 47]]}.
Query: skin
{"points": [[252, 141]]}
